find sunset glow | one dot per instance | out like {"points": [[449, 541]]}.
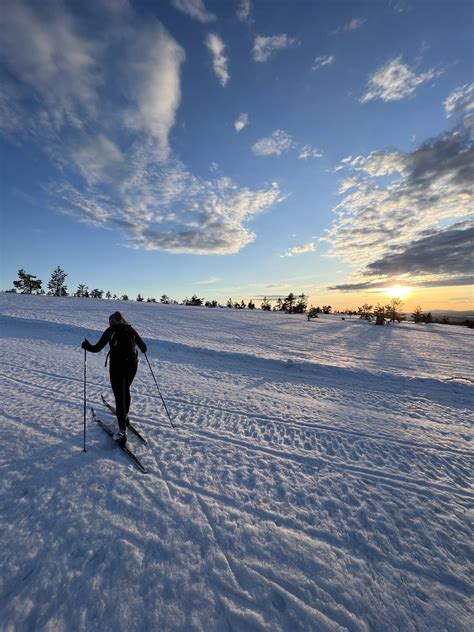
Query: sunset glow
{"points": [[398, 291]]}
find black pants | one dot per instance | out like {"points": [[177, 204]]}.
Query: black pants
{"points": [[121, 378]]}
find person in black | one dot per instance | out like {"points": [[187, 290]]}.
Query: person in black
{"points": [[122, 339]]}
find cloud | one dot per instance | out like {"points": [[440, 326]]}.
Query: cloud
{"points": [[395, 81], [243, 10], [219, 61], [54, 64], [306, 151], [320, 62], [280, 142], [461, 101], [209, 281], [241, 122], [352, 25], [264, 47], [299, 250], [97, 158], [153, 73], [276, 144], [117, 171], [422, 197], [195, 9]]}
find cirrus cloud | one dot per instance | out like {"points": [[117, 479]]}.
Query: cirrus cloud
{"points": [[195, 9], [264, 47]]}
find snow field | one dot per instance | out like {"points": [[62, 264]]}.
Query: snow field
{"points": [[333, 494]]}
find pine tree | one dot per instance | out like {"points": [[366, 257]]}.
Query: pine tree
{"points": [[139, 298], [96, 293], [265, 305], [82, 291], [108, 295], [124, 297], [365, 312], [251, 304], [56, 285], [164, 299], [393, 310], [301, 304], [230, 303], [26, 283], [418, 316]]}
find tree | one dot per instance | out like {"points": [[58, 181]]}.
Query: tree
{"points": [[312, 313], [139, 298], [124, 297], [164, 299], [393, 310], [151, 300], [56, 285], [251, 304], [211, 304], [417, 315], [108, 295], [26, 283], [288, 303], [194, 301], [265, 305], [301, 304], [327, 309], [82, 291], [279, 305], [230, 303], [379, 313], [96, 293], [365, 312]]}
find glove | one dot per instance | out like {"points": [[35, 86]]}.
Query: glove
{"points": [[85, 344]]}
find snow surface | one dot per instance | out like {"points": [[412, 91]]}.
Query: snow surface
{"points": [[331, 492]]}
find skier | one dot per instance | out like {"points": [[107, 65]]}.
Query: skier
{"points": [[122, 339]]}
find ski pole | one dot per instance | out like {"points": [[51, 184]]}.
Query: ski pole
{"points": [[85, 397], [164, 403]]}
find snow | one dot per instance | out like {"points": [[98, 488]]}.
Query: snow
{"points": [[319, 477]]}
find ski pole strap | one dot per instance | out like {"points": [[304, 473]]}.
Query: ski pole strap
{"points": [[159, 392]]}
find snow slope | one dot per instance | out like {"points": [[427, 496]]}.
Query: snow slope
{"points": [[331, 492]]}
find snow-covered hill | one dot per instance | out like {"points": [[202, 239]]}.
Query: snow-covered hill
{"points": [[318, 478]]}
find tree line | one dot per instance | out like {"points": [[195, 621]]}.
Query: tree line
{"points": [[29, 284]]}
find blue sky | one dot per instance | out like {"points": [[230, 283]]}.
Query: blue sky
{"points": [[239, 148]]}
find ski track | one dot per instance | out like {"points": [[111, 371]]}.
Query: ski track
{"points": [[332, 495]]}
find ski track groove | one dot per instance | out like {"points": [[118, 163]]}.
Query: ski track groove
{"points": [[386, 478]]}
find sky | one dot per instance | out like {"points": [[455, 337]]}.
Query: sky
{"points": [[240, 148]]}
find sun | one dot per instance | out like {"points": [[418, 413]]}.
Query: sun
{"points": [[398, 291]]}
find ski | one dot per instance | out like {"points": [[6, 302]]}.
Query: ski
{"points": [[131, 426], [124, 448]]}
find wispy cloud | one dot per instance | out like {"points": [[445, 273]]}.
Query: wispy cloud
{"points": [[195, 9], [54, 63], [324, 60], [264, 47], [276, 144], [383, 226], [209, 281], [461, 101], [243, 10], [241, 122], [299, 250], [280, 142], [306, 151], [352, 25], [118, 170], [396, 81], [219, 61]]}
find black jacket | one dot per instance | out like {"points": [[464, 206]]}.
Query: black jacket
{"points": [[107, 337]]}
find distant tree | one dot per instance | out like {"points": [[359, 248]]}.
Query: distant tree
{"points": [[139, 298], [365, 312], [230, 303], [108, 295], [151, 300], [124, 297], [164, 299], [12, 291], [251, 304], [428, 318], [327, 309], [301, 304], [27, 283], [279, 305], [96, 293], [445, 320], [211, 303], [194, 301], [115, 297], [312, 313], [56, 285], [418, 316], [82, 291], [379, 313], [393, 310], [265, 305]]}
